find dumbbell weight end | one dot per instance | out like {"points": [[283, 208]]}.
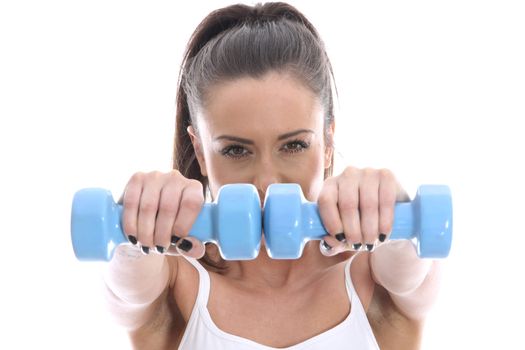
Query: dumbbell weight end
{"points": [[426, 220], [95, 225]]}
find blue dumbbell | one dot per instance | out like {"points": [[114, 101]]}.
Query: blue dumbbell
{"points": [[233, 222], [290, 221]]}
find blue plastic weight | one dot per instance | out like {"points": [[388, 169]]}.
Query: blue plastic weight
{"points": [[233, 222], [290, 221]]}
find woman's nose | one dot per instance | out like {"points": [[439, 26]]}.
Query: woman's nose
{"points": [[266, 173]]}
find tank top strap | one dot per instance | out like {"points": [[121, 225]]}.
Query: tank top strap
{"points": [[350, 289], [204, 281]]}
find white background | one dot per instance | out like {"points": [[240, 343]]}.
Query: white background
{"points": [[433, 90]]}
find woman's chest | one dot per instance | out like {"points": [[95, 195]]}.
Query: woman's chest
{"points": [[280, 320]]}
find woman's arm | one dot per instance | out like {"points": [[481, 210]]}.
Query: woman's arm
{"points": [[413, 283], [155, 205], [134, 282]]}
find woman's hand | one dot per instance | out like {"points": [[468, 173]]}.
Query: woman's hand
{"points": [[357, 208], [159, 210]]}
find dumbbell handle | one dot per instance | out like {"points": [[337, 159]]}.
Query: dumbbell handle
{"points": [[202, 228], [403, 226]]}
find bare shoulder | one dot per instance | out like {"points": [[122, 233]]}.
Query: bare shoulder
{"points": [[184, 287]]}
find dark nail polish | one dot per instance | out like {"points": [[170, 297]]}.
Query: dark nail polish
{"points": [[369, 247], [145, 249], [185, 245], [382, 237], [326, 246], [132, 239], [174, 239], [357, 246], [160, 249], [340, 237]]}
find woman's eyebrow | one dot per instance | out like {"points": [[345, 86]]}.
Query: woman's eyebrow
{"points": [[293, 133], [250, 142]]}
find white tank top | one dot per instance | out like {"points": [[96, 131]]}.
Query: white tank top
{"points": [[201, 332]]}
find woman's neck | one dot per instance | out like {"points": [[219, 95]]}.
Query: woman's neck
{"points": [[265, 273]]}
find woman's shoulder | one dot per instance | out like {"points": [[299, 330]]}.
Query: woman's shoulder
{"points": [[185, 285]]}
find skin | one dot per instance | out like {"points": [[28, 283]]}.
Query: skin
{"points": [[153, 294]]}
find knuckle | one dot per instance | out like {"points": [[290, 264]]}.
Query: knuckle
{"points": [[324, 199], [386, 173], [148, 206], [350, 171], [154, 175], [369, 172], [138, 177], [348, 204], [195, 184], [130, 200], [369, 204], [176, 176], [197, 189], [192, 203], [168, 207]]}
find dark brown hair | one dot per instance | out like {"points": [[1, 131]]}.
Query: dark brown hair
{"points": [[247, 41]]}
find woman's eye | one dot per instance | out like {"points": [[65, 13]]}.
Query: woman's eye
{"points": [[234, 151], [237, 151], [296, 146]]}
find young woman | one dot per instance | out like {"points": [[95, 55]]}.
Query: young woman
{"points": [[255, 106]]}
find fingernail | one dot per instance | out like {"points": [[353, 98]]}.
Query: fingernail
{"points": [[174, 239], [185, 245], [132, 239], [357, 246], [160, 249], [382, 237], [369, 247], [145, 249], [326, 246], [340, 237]]}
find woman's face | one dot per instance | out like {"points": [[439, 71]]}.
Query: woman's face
{"points": [[262, 131]]}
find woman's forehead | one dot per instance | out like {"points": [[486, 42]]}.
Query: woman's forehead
{"points": [[266, 122], [277, 102]]}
